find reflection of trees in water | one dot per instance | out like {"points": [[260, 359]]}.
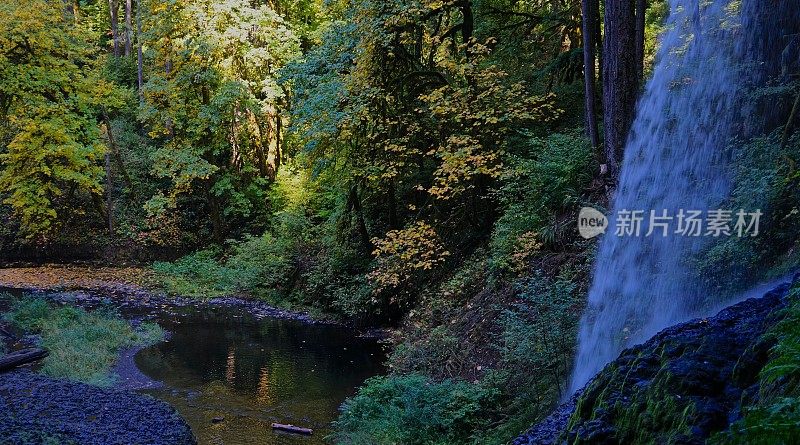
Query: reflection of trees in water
{"points": [[230, 366], [270, 361], [264, 394]]}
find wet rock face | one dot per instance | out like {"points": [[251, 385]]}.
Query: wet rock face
{"points": [[680, 387], [38, 409]]}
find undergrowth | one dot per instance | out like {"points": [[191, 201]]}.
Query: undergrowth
{"points": [[82, 346]]}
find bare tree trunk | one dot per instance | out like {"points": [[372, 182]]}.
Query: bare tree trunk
{"points": [[19, 358], [589, 12], [468, 26], [139, 67], [278, 141], [128, 26], [112, 8], [619, 79], [117, 156], [598, 38], [355, 204], [109, 196], [641, 10]]}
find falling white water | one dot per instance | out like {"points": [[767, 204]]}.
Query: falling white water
{"points": [[675, 158]]}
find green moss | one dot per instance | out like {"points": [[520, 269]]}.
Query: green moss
{"points": [[775, 418], [645, 413]]}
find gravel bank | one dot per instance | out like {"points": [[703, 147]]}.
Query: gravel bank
{"points": [[37, 409]]}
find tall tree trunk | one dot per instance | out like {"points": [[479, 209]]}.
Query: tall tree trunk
{"points": [[109, 195], [468, 26], [278, 141], [139, 66], [355, 205], [128, 26], [598, 37], [619, 79], [588, 21], [113, 11], [641, 10], [117, 156]]}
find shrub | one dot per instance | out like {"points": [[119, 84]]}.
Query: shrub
{"points": [[537, 186], [412, 410], [537, 343], [403, 258], [196, 275], [260, 265], [257, 265]]}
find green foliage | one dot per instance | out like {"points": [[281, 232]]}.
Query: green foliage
{"points": [[83, 346], [258, 266], [262, 264], [195, 275], [544, 179], [50, 95], [538, 332], [772, 187], [412, 410]]}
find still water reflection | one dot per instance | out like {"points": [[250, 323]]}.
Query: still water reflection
{"points": [[230, 376]]}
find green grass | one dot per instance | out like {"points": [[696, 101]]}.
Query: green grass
{"points": [[83, 346]]}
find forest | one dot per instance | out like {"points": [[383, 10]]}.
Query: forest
{"points": [[361, 217]]}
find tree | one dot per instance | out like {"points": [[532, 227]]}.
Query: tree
{"points": [[589, 17], [50, 96], [113, 10], [620, 79], [128, 26], [215, 107]]}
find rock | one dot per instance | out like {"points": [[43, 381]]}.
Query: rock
{"points": [[38, 409], [217, 419], [680, 387]]}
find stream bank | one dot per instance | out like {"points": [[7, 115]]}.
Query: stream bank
{"points": [[126, 288], [229, 366], [38, 409]]}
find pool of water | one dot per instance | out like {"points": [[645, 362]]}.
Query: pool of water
{"points": [[231, 376]]}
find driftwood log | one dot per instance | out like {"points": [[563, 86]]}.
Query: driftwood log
{"points": [[292, 429], [19, 358]]}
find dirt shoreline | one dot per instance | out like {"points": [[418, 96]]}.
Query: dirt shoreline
{"points": [[127, 287], [136, 287]]}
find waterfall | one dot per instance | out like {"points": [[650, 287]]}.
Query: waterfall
{"points": [[675, 158]]}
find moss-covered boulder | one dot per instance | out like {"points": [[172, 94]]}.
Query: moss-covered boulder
{"points": [[682, 386]]}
